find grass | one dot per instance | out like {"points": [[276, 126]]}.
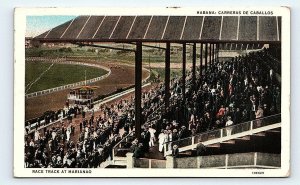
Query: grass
{"points": [[161, 71], [33, 70], [152, 55], [58, 75]]}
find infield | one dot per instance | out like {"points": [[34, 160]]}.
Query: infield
{"points": [[40, 76]]}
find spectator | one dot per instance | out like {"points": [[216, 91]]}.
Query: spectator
{"points": [[152, 132], [200, 149], [228, 125], [175, 151], [138, 152], [259, 114]]}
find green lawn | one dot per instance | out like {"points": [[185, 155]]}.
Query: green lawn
{"points": [[58, 75], [161, 71], [152, 55]]}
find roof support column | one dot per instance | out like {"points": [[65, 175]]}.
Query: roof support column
{"points": [[210, 48], [167, 75], [217, 57], [194, 65], [183, 69], [213, 54], [138, 89], [201, 60], [205, 57]]}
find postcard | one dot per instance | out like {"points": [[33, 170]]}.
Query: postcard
{"points": [[152, 92]]}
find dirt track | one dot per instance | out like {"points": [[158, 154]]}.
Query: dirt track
{"points": [[172, 65], [121, 76]]}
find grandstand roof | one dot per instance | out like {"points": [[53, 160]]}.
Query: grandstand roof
{"points": [[166, 29]]}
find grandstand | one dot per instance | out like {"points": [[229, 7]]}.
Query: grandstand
{"points": [[223, 113]]}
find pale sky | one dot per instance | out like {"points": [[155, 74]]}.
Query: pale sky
{"points": [[36, 25]]}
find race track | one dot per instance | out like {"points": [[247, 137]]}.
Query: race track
{"points": [[121, 76]]}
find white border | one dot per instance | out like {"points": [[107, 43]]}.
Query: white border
{"points": [[19, 102]]}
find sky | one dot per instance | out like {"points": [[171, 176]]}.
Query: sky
{"points": [[36, 25]]}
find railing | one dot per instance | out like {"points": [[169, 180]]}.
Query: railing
{"points": [[151, 116], [266, 121], [45, 59], [35, 126], [223, 132], [120, 149], [116, 95], [62, 61]]}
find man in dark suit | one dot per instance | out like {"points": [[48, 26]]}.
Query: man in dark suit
{"points": [[147, 138], [138, 151], [200, 149], [175, 151]]}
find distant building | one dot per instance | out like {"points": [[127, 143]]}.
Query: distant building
{"points": [[28, 42]]}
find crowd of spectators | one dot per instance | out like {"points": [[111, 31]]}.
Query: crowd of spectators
{"points": [[58, 147], [228, 93]]}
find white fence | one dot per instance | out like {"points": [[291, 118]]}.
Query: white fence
{"points": [[63, 61]]}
